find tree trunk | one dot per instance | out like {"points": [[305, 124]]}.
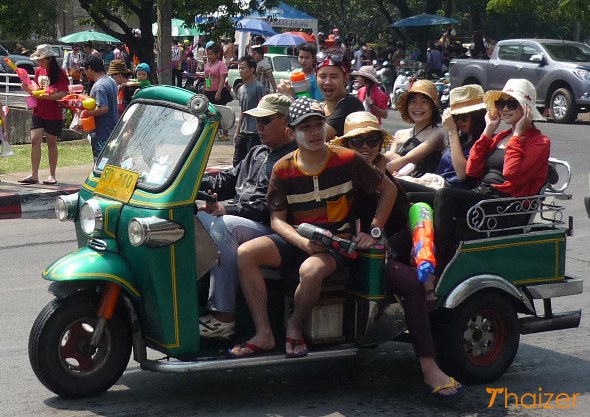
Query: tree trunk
{"points": [[164, 41]]}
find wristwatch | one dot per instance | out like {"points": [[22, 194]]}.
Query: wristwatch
{"points": [[377, 233]]}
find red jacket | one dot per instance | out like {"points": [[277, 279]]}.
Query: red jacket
{"points": [[525, 162]]}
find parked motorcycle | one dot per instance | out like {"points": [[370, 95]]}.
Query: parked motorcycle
{"points": [[133, 282], [194, 82]]}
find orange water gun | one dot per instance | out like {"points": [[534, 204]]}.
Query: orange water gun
{"points": [[22, 74], [78, 102], [423, 239]]}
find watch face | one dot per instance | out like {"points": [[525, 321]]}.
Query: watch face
{"points": [[376, 232]]}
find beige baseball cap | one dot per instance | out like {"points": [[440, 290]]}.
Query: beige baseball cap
{"points": [[271, 104]]}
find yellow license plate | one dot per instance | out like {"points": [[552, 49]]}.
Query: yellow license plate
{"points": [[117, 183]]}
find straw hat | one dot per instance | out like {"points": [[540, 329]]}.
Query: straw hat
{"points": [[425, 87], [117, 66], [369, 72], [520, 89], [43, 51], [359, 123], [466, 99]]}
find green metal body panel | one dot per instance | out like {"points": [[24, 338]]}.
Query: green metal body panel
{"points": [[161, 281], [527, 259], [86, 264], [368, 274]]}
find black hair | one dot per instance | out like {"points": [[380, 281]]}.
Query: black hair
{"points": [[478, 124], [251, 62], [215, 48], [309, 47], [95, 64], [436, 116], [55, 72], [258, 50]]}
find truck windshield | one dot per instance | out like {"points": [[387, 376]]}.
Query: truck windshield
{"points": [[151, 141], [568, 52]]}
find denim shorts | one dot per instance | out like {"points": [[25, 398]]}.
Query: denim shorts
{"points": [[292, 257]]}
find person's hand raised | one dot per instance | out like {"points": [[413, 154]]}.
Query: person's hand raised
{"points": [[448, 122], [492, 123], [525, 122]]}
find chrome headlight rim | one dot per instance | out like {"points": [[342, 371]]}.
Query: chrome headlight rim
{"points": [[91, 218], [66, 207], [153, 232], [198, 104]]}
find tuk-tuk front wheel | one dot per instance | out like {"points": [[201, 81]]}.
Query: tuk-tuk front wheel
{"points": [[60, 352], [478, 340]]}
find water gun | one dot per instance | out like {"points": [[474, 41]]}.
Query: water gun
{"points": [[300, 84], [78, 102], [317, 234], [22, 74], [423, 239], [43, 92]]}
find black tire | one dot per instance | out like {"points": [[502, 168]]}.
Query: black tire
{"points": [[471, 80], [477, 341], [562, 106], [200, 87], [57, 346]]}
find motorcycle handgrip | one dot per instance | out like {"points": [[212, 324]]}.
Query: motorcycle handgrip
{"points": [[202, 195]]}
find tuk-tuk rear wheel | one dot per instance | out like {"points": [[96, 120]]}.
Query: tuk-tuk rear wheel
{"points": [[60, 354], [478, 340]]}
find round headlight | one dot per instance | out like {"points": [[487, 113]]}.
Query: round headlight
{"points": [[137, 233], [198, 103], [91, 217], [66, 207]]}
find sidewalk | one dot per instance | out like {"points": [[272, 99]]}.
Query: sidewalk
{"points": [[16, 198]]}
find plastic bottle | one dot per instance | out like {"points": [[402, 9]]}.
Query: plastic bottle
{"points": [[300, 84], [420, 217]]}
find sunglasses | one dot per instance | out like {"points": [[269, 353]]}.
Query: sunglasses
{"points": [[337, 57], [461, 118], [265, 120], [371, 141], [510, 103]]}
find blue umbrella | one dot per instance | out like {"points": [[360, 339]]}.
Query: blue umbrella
{"points": [[256, 26], [424, 20], [284, 39]]}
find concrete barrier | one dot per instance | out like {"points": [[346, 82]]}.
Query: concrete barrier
{"points": [[19, 127]]}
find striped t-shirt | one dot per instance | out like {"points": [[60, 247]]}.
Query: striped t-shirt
{"points": [[324, 199]]}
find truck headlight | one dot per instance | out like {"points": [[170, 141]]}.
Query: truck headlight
{"points": [[66, 207], [91, 218], [153, 232]]}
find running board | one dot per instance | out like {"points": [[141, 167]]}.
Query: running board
{"points": [[557, 321], [174, 366]]}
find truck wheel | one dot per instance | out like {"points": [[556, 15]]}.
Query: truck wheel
{"points": [[562, 107], [477, 341], [59, 351]]}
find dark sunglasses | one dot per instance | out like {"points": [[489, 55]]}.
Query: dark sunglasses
{"points": [[265, 120], [461, 118], [371, 141], [510, 103], [336, 58]]}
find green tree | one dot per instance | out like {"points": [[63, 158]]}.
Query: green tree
{"points": [[19, 19], [111, 17]]}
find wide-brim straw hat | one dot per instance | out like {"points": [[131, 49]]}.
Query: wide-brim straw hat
{"points": [[466, 99], [369, 72], [117, 66], [520, 89], [359, 123], [425, 87], [43, 51]]}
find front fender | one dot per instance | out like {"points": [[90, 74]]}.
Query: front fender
{"points": [[483, 282], [86, 264]]}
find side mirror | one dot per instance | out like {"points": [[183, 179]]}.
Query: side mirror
{"points": [[538, 58]]}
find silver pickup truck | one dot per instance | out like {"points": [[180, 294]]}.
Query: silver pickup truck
{"points": [[559, 70]]}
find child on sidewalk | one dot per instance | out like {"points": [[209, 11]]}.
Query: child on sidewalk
{"points": [[249, 94]]}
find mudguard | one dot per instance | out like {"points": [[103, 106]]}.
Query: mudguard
{"points": [[86, 264]]}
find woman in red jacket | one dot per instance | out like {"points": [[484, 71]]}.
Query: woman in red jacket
{"points": [[513, 163], [370, 94]]}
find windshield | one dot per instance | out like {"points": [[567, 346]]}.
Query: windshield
{"points": [[568, 52], [150, 140], [285, 63]]}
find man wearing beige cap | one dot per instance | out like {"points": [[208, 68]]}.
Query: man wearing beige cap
{"points": [[247, 216]]}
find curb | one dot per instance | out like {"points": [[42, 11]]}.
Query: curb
{"points": [[30, 200]]}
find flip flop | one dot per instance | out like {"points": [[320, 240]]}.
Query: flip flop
{"points": [[50, 182], [255, 350], [452, 384], [294, 343], [28, 181]]}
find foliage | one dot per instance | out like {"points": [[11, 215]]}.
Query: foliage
{"points": [[20, 18]]}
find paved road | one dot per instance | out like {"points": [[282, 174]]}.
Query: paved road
{"points": [[381, 381]]}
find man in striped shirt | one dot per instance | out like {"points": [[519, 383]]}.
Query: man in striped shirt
{"points": [[314, 184]]}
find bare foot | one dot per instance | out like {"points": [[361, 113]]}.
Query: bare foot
{"points": [[295, 346], [439, 378], [253, 346]]}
